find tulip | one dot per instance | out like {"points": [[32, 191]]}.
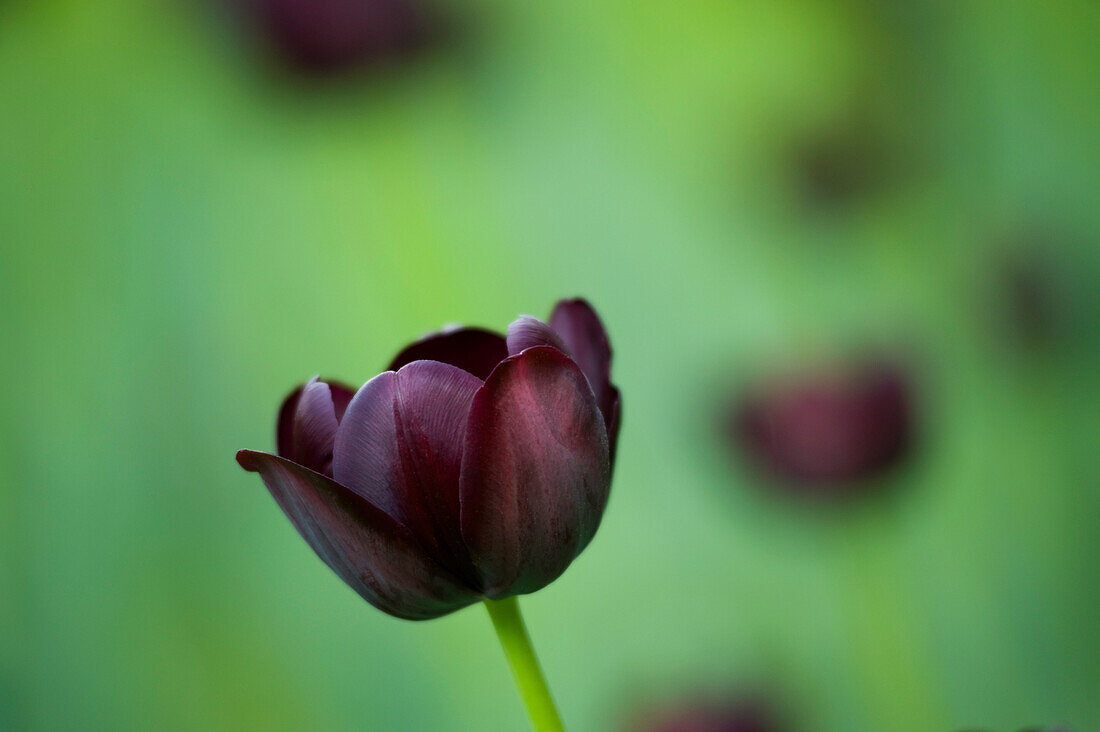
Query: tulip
{"points": [[475, 469], [822, 432], [330, 36], [708, 715]]}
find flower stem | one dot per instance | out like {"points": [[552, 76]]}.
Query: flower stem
{"points": [[525, 666]]}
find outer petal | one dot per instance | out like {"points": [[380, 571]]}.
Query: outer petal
{"points": [[473, 350], [284, 430], [370, 551], [526, 332], [535, 472], [400, 447], [584, 335]]}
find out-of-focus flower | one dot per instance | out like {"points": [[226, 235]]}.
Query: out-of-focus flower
{"points": [[738, 715], [477, 467], [1033, 298], [816, 430], [329, 36], [1043, 292], [835, 164]]}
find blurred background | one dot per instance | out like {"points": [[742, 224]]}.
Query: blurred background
{"points": [[202, 204]]}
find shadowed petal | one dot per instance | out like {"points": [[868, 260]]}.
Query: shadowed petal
{"points": [[284, 424], [526, 332], [378, 558], [584, 335], [473, 350], [341, 398], [297, 441], [400, 447], [535, 471], [614, 419]]}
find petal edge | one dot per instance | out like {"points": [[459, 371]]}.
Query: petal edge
{"points": [[474, 350], [374, 555]]}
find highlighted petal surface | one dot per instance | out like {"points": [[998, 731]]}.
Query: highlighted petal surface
{"points": [[526, 332], [584, 335], [535, 472]]}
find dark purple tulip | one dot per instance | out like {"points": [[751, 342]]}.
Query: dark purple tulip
{"points": [[820, 429], [477, 467], [739, 715], [328, 36]]}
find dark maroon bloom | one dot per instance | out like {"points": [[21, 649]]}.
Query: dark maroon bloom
{"points": [[739, 715], [477, 467], [327, 36], [817, 429]]}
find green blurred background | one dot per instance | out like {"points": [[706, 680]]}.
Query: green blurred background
{"points": [[185, 234]]}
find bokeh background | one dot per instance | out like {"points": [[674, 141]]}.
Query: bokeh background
{"points": [[189, 227]]}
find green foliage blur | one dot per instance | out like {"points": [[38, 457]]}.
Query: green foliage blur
{"points": [[187, 231]]}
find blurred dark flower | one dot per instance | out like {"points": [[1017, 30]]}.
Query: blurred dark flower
{"points": [[819, 429], [835, 170], [329, 36], [479, 466], [1034, 311], [1028, 729], [739, 715], [832, 166]]}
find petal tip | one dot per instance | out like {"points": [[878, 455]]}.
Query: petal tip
{"points": [[527, 331], [247, 460]]}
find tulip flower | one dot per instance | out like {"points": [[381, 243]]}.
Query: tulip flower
{"points": [[823, 431], [476, 469], [329, 36], [738, 714]]}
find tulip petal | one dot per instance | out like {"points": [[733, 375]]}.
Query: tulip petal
{"points": [[400, 447], [584, 335], [473, 350], [314, 427], [526, 332], [284, 431], [614, 419], [535, 471], [370, 551]]}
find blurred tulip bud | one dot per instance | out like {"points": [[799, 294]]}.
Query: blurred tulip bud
{"points": [[819, 430], [833, 166], [324, 37], [738, 715]]}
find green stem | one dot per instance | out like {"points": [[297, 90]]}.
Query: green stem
{"points": [[525, 666]]}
